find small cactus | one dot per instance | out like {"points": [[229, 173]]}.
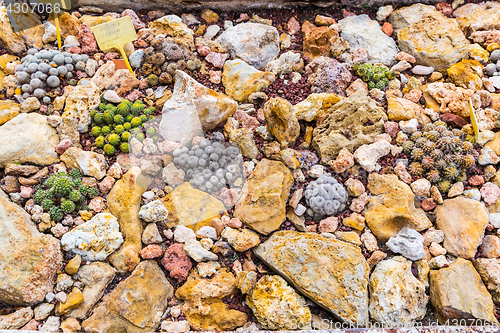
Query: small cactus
{"points": [[68, 206], [109, 149]]}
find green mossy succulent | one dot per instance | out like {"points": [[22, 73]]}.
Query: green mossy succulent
{"points": [[375, 76]]}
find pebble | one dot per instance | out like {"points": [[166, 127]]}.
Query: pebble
{"points": [[473, 194], [409, 243], [422, 70], [183, 234]]}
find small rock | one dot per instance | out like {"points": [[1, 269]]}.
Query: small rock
{"points": [[409, 243], [183, 234], [456, 190], [490, 193], [368, 155], [176, 262], [194, 249], [207, 232], [421, 187], [491, 246], [153, 211], [151, 235], [422, 70]]}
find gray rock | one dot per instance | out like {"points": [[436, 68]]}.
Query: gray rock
{"points": [[361, 31], [255, 43], [194, 249], [136, 57], [409, 243]]}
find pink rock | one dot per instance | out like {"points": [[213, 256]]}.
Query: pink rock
{"points": [[32, 325], [493, 37], [413, 95], [489, 191], [176, 262], [359, 55], [215, 76], [260, 115], [387, 28], [403, 56], [140, 44], [428, 204], [111, 56], [44, 108], [391, 128], [358, 204], [217, 59], [444, 8], [245, 120], [229, 196], [476, 180], [96, 204], [358, 84], [86, 39], [234, 223], [63, 146], [106, 184], [135, 95], [151, 251], [196, 140], [293, 26], [168, 146], [329, 224], [136, 21], [344, 161], [75, 49], [403, 174], [203, 50], [327, 75], [491, 246], [26, 192]]}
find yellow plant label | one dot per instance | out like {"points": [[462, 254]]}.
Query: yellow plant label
{"points": [[114, 34], [473, 119]]}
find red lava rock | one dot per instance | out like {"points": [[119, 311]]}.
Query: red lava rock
{"points": [[151, 251], [476, 180], [140, 44], [428, 204], [136, 21], [387, 28], [346, 13], [63, 145], [216, 59], [75, 49], [177, 262], [453, 120], [444, 8], [86, 39], [111, 56], [391, 128]]}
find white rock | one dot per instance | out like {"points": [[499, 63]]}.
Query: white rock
{"points": [[112, 96], [70, 41], [43, 310], [495, 219], [207, 232], [95, 239], [207, 268], [422, 70], [485, 136], [409, 243], [50, 34], [488, 156], [50, 297], [361, 31], [136, 57], [384, 12], [368, 155], [51, 325], [401, 66], [90, 163], [255, 43], [300, 209], [61, 296], [496, 81], [151, 235], [421, 187], [287, 62], [183, 234], [154, 211], [175, 326], [194, 250], [211, 31], [409, 126], [316, 171], [438, 262], [473, 194], [173, 176]]}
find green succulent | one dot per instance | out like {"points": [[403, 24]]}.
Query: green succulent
{"points": [[109, 149], [137, 108], [118, 119], [83, 189], [56, 214], [76, 196], [92, 192], [127, 126], [124, 147], [136, 122], [68, 206], [125, 136], [75, 174], [119, 129], [114, 139], [100, 142], [96, 131], [105, 130], [47, 205], [108, 117], [99, 119], [150, 131], [123, 109], [143, 118], [102, 107], [140, 136], [63, 186]]}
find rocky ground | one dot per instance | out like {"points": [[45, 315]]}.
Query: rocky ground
{"points": [[268, 170]]}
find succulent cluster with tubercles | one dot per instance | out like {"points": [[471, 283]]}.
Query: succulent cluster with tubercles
{"points": [[63, 193], [441, 155], [114, 125], [375, 76]]}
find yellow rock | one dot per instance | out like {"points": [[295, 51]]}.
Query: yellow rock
{"points": [[191, 207], [30, 30], [209, 15], [492, 47], [288, 157], [458, 292], [280, 121], [171, 25], [315, 105], [430, 102], [467, 74], [136, 304], [246, 281], [8, 110], [74, 298], [69, 24], [277, 306], [495, 143], [392, 207], [204, 308], [85, 215], [262, 203], [332, 273], [355, 221], [241, 80], [92, 21], [476, 52], [349, 237], [73, 265], [124, 201], [403, 109], [5, 59]]}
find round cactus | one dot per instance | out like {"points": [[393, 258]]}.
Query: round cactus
{"points": [[56, 214], [108, 117], [119, 129], [114, 139], [68, 206], [110, 107], [127, 126], [96, 131], [129, 118], [75, 196], [50, 181], [75, 174], [99, 119], [102, 107], [150, 131], [83, 189], [136, 122], [140, 137], [125, 136], [92, 192], [137, 108], [123, 109], [143, 118], [118, 119], [39, 196], [47, 205], [124, 147], [105, 130], [63, 186], [100, 142], [109, 149]]}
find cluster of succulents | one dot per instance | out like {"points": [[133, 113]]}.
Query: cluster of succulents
{"points": [[163, 58], [441, 155], [63, 193], [326, 196], [375, 76], [42, 71], [492, 69], [115, 124], [211, 165]]}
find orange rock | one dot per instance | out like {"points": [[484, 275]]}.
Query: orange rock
{"points": [[316, 40], [387, 28]]}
